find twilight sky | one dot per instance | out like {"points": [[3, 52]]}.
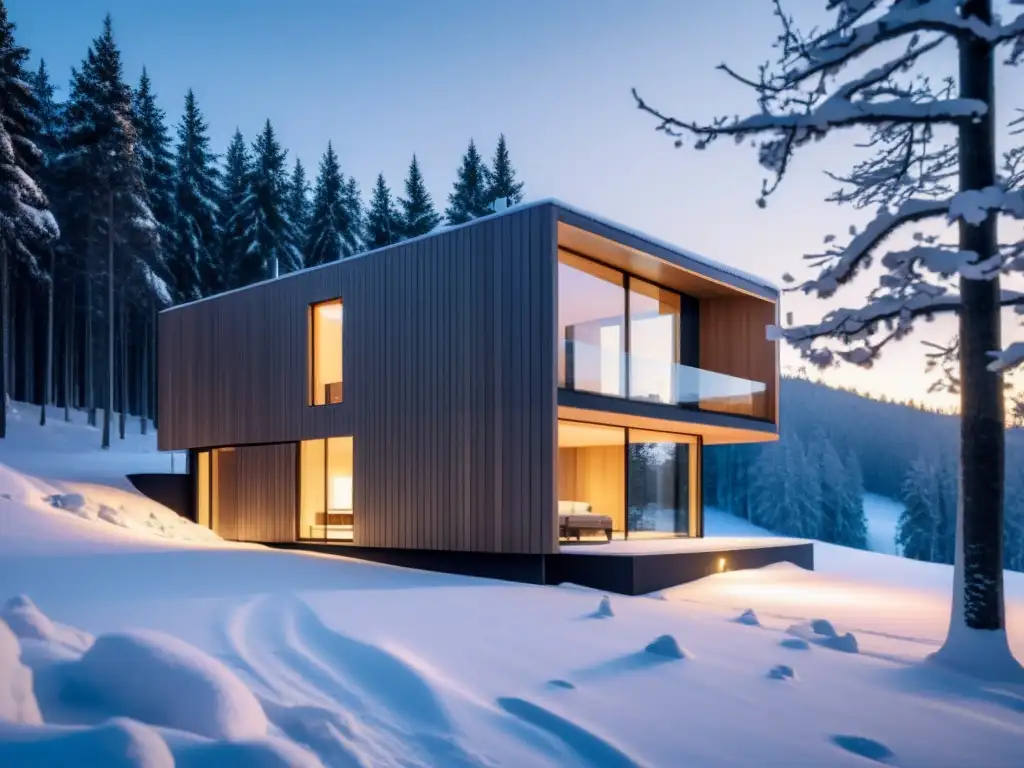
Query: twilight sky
{"points": [[385, 78]]}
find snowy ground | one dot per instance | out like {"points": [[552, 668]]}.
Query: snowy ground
{"points": [[883, 515], [171, 650]]}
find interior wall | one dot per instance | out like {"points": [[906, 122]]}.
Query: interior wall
{"points": [[733, 341], [595, 474]]}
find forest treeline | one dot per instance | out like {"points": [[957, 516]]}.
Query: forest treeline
{"points": [[109, 214], [836, 445]]}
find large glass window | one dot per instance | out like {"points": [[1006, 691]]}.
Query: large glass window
{"points": [[591, 326], [326, 508], [654, 344], [325, 337], [591, 480], [662, 486]]}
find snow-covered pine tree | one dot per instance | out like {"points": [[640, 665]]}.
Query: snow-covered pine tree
{"points": [[325, 240], [271, 241], [26, 223], [503, 184], [852, 529], [383, 226], [468, 198], [356, 233], [299, 207], [100, 155], [232, 259], [194, 247], [156, 163], [417, 208], [810, 93], [917, 528]]}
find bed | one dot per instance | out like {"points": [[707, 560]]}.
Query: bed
{"points": [[577, 517]]}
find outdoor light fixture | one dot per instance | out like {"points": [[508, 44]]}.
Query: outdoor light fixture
{"points": [[721, 565]]}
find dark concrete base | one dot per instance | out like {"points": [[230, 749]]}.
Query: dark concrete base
{"points": [[625, 574], [508, 567], [171, 490], [642, 573]]}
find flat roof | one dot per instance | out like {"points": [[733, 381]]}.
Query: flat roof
{"points": [[579, 213]]}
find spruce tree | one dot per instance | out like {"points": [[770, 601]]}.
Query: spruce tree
{"points": [[101, 158], [26, 224], [156, 162], [195, 255], [329, 223], [468, 199], [234, 193], [355, 236], [503, 184], [299, 209], [271, 243], [416, 209], [383, 226]]}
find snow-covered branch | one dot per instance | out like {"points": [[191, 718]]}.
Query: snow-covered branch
{"points": [[848, 40]]}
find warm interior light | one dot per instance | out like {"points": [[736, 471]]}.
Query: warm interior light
{"points": [[341, 492], [721, 564]]}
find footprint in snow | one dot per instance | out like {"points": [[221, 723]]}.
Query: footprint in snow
{"points": [[796, 643], [749, 618], [782, 672], [864, 747], [561, 684]]}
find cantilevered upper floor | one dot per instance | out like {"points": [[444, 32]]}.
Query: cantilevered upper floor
{"points": [[478, 333]]}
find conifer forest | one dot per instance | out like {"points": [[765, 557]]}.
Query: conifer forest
{"points": [[109, 214]]}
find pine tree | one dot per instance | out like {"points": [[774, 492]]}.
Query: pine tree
{"points": [[417, 213], [234, 193], [852, 529], [299, 209], [329, 223], [383, 225], [195, 263], [271, 241], [355, 235], [100, 157], [468, 199], [155, 161], [503, 184], [26, 223]]}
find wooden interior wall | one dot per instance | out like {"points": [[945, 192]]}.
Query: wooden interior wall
{"points": [[449, 368], [595, 474], [256, 493], [733, 341]]}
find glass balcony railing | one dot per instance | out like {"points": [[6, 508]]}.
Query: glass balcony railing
{"points": [[607, 371]]}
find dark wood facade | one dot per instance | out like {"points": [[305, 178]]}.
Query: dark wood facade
{"points": [[449, 395], [450, 391]]}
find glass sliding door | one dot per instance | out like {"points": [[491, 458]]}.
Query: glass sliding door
{"points": [[591, 480], [661, 490], [326, 508], [591, 326], [654, 343]]}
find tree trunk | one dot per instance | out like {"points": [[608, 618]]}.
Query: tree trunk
{"points": [[69, 356], [48, 381], [144, 377], [154, 351], [976, 639], [122, 419], [108, 394], [4, 319], [28, 345], [90, 372]]}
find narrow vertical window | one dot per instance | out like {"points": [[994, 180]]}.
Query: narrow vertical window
{"points": [[203, 489], [325, 335]]}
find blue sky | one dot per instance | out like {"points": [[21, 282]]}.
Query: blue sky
{"points": [[385, 78]]}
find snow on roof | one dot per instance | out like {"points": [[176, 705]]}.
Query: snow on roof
{"points": [[653, 241]]}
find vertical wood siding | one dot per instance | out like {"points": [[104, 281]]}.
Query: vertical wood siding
{"points": [[450, 393]]}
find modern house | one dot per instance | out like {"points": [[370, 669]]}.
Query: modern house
{"points": [[504, 386]]}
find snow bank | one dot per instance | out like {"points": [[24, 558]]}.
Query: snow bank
{"points": [[161, 680], [196, 752], [29, 623], [117, 743], [17, 699]]}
